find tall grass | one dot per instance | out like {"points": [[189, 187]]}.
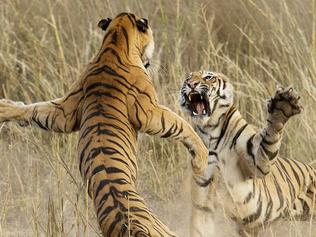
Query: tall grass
{"points": [[44, 46]]}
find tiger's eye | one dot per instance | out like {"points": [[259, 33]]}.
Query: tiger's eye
{"points": [[209, 78]]}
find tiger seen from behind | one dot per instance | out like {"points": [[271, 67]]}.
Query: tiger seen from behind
{"points": [[245, 176], [113, 101]]}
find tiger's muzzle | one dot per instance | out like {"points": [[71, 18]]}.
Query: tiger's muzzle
{"points": [[197, 103]]}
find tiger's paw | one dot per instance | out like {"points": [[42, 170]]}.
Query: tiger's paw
{"points": [[12, 110], [199, 162], [284, 104]]}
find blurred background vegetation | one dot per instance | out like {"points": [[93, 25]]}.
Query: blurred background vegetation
{"points": [[44, 47]]}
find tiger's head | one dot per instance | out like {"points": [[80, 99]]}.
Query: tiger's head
{"points": [[204, 93], [130, 34]]}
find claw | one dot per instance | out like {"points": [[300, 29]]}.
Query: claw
{"points": [[279, 89], [290, 90]]}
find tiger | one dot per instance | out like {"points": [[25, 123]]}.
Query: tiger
{"points": [[111, 103], [246, 178]]}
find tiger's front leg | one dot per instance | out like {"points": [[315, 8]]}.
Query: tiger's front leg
{"points": [[281, 107], [265, 145], [59, 115], [167, 124], [203, 203]]}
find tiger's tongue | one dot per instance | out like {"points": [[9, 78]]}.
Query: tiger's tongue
{"points": [[199, 107]]}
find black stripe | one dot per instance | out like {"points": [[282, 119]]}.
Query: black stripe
{"points": [[126, 38], [230, 113], [86, 107], [293, 171], [104, 94], [114, 38], [264, 173], [279, 192], [170, 131], [131, 19], [289, 181], [97, 169], [203, 182], [237, 135], [250, 147], [213, 153], [137, 117], [36, 119], [248, 198], [201, 130], [82, 154], [298, 165], [109, 32], [100, 114], [271, 155], [269, 207], [179, 131], [98, 85], [253, 217], [203, 208], [117, 221], [72, 94], [127, 153]]}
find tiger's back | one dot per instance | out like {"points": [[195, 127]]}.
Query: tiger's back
{"points": [[107, 142], [119, 101]]}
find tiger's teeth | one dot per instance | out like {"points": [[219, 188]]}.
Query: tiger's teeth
{"points": [[201, 97], [194, 113], [189, 97], [204, 111]]}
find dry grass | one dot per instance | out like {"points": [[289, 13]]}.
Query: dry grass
{"points": [[44, 45]]}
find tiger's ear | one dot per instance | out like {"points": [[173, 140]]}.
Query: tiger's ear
{"points": [[104, 23], [142, 24]]}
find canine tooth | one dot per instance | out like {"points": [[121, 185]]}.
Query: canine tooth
{"points": [[189, 97], [194, 113], [204, 111], [201, 97]]}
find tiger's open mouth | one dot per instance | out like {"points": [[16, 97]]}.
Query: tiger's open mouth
{"points": [[197, 103]]}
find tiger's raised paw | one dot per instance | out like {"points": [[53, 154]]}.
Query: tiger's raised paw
{"points": [[12, 110], [284, 104]]}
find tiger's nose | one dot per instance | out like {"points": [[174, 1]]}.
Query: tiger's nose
{"points": [[193, 84]]}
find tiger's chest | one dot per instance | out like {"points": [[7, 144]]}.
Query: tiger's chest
{"points": [[237, 188], [230, 188]]}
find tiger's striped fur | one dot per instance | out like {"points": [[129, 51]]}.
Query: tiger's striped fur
{"points": [[245, 175], [112, 102]]}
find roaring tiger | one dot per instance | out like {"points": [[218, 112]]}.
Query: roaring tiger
{"points": [[245, 175], [112, 102]]}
